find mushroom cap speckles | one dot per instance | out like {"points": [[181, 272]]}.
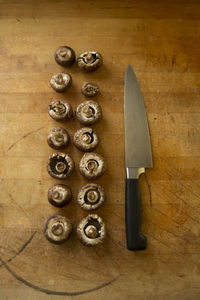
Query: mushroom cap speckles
{"points": [[90, 89], [59, 195], [60, 82], [64, 56], [91, 230], [60, 110], [91, 196], [60, 165], [57, 229], [92, 165], [88, 112], [89, 61], [58, 138], [86, 139]]}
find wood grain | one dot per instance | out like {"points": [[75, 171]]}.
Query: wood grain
{"points": [[160, 39]]}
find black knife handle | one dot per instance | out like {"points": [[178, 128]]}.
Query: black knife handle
{"points": [[135, 240]]}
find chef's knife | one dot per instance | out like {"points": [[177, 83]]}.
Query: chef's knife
{"points": [[138, 157]]}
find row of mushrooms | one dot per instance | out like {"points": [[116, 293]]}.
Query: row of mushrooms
{"points": [[58, 228]]}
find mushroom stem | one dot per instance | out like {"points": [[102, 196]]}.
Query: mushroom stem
{"points": [[91, 231], [63, 53], [89, 88], [92, 196], [59, 138], [91, 165], [55, 195], [59, 79], [60, 108], [86, 138], [60, 166], [89, 57], [87, 111], [57, 228]]}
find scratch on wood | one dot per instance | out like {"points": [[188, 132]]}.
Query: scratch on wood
{"points": [[95, 251], [114, 243], [180, 252], [51, 292], [190, 190], [183, 201], [149, 188], [22, 248], [174, 221], [119, 7], [163, 243], [120, 217], [23, 137], [168, 231], [21, 208], [173, 60]]}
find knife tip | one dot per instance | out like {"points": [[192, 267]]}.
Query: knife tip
{"points": [[129, 68]]}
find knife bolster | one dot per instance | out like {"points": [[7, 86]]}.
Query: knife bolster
{"points": [[134, 173]]}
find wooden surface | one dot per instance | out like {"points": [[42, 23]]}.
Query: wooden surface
{"points": [[160, 39]]}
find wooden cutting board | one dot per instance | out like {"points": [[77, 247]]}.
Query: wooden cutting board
{"points": [[160, 39]]}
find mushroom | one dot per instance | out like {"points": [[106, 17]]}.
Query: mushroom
{"points": [[60, 165], [92, 165], [60, 110], [91, 230], [91, 196], [60, 82], [89, 61], [58, 138], [64, 56], [59, 195], [88, 112], [90, 89], [57, 229], [85, 139]]}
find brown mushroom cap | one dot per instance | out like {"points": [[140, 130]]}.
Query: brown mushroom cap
{"points": [[59, 195], [57, 229], [88, 112], [64, 56], [60, 110], [58, 138], [86, 139], [92, 165], [90, 89], [89, 61], [60, 82], [91, 230], [91, 196], [60, 165]]}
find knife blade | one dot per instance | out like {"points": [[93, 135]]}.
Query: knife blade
{"points": [[138, 156]]}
